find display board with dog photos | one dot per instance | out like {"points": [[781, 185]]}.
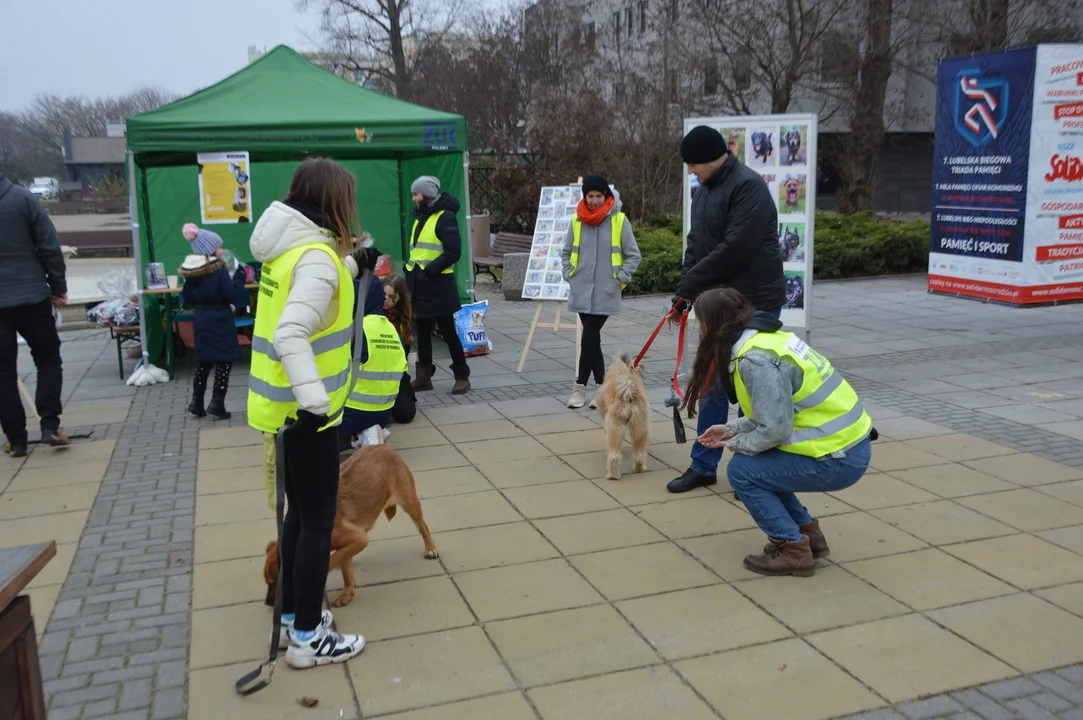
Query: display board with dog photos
{"points": [[556, 210], [781, 148]]}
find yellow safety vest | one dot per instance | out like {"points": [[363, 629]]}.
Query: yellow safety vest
{"points": [[615, 256], [427, 247], [376, 383], [270, 395], [828, 416]]}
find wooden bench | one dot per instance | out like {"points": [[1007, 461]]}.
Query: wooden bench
{"points": [[503, 244], [99, 240]]}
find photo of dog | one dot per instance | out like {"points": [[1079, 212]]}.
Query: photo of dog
{"points": [[794, 145], [763, 148], [795, 290], [791, 237], [791, 194], [532, 292], [735, 141], [625, 409], [372, 481]]}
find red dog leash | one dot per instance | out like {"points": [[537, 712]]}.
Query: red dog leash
{"points": [[678, 425]]}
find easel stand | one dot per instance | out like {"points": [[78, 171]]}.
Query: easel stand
{"points": [[554, 326]]}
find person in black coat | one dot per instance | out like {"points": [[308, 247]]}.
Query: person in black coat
{"points": [[433, 293], [732, 242], [208, 286]]}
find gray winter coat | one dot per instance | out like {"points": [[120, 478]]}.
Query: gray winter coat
{"points": [[31, 263], [594, 290]]}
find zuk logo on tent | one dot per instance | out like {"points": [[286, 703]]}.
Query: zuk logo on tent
{"points": [[362, 136]]}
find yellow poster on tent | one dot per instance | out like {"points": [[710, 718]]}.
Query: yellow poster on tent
{"points": [[225, 188]]}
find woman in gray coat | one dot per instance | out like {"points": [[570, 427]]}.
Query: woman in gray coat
{"points": [[600, 256]]}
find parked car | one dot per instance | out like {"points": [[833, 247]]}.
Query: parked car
{"points": [[45, 188]]}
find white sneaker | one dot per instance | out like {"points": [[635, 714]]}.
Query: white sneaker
{"points": [[579, 396], [287, 625], [387, 434], [325, 647], [594, 402]]}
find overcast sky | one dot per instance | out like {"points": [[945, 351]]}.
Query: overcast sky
{"points": [[109, 47]]}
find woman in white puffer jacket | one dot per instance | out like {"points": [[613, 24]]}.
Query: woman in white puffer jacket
{"points": [[299, 380]]}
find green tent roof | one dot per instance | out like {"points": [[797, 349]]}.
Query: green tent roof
{"points": [[283, 102]]}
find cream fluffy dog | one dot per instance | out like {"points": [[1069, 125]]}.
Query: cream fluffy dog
{"points": [[622, 402]]}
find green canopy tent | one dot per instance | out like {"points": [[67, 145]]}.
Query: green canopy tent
{"points": [[282, 109]]}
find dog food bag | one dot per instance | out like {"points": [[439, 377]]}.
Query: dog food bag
{"points": [[470, 324]]}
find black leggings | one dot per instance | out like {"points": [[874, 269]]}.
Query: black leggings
{"points": [[591, 358], [311, 492], [446, 323], [221, 377]]}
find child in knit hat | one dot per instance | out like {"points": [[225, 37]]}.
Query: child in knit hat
{"points": [[204, 242]]}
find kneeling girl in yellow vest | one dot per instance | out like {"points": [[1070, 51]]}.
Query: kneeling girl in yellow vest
{"points": [[300, 380], [379, 366], [804, 429]]}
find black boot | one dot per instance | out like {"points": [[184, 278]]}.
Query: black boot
{"points": [[690, 481], [196, 406], [217, 407]]}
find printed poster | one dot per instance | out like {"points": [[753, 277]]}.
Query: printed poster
{"points": [[556, 209], [1008, 180], [225, 188], [782, 148]]}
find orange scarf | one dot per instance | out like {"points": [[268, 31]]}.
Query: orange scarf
{"points": [[594, 217]]}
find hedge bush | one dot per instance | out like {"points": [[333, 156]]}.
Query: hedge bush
{"points": [[845, 246]]}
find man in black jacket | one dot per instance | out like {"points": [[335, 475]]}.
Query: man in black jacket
{"points": [[733, 242], [32, 283]]}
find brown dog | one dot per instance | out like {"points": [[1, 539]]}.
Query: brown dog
{"points": [[622, 401], [373, 480]]}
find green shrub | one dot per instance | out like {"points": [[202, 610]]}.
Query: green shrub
{"points": [[845, 246], [660, 269], [861, 245]]}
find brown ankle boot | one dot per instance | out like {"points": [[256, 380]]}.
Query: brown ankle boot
{"points": [[784, 558], [423, 381], [462, 381], [817, 541]]}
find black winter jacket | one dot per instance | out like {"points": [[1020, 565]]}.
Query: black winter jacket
{"points": [[31, 262], [733, 241], [432, 293], [212, 291]]}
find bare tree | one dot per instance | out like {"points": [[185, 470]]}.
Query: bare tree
{"points": [[858, 156], [23, 154], [965, 27], [759, 54], [53, 115], [385, 40]]}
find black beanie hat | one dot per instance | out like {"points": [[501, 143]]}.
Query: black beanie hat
{"points": [[596, 183], [703, 144]]}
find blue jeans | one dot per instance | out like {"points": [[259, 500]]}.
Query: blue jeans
{"points": [[767, 482], [713, 410]]}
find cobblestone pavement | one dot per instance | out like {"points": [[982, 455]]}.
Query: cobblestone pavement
{"points": [[116, 611]]}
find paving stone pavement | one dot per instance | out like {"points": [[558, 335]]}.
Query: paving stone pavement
{"points": [[116, 643]]}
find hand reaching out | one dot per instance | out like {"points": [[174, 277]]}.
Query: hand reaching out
{"points": [[716, 436]]}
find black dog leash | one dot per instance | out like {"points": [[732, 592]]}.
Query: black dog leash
{"points": [[242, 686]]}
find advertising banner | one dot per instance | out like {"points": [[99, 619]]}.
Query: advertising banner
{"points": [[1007, 220], [225, 188], [781, 148], [1054, 245]]}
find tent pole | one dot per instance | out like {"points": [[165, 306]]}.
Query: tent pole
{"points": [[137, 254], [469, 217], [404, 243]]}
